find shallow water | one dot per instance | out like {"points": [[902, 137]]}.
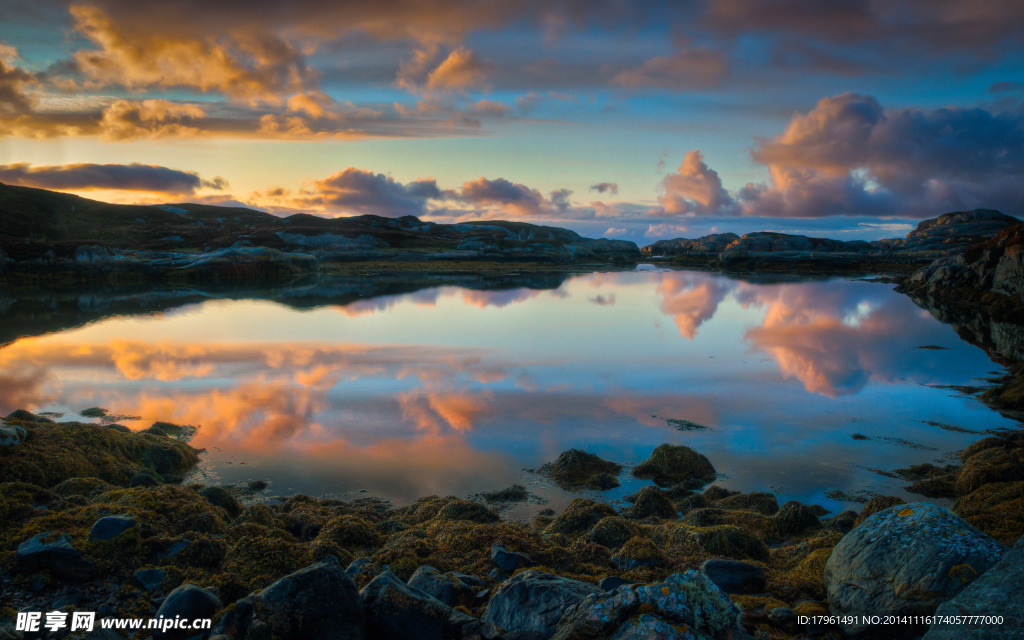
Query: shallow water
{"points": [[444, 389]]}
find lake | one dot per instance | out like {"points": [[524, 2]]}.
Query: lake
{"points": [[407, 386]]}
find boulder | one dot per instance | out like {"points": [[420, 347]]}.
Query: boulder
{"points": [[221, 497], [672, 464], [319, 602], [733, 576], [534, 601], [110, 527], [52, 551], [905, 560], [611, 583], [396, 610], [997, 592], [686, 605], [449, 588], [189, 602], [576, 469], [508, 560]]}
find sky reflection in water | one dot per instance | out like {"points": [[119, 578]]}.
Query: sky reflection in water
{"points": [[450, 390]]}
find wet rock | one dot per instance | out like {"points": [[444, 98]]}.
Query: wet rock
{"points": [[675, 464], [576, 469], [358, 567], [905, 560], [685, 605], [794, 518], [21, 415], [649, 502], [144, 479], [509, 561], [733, 576], [190, 602], [396, 610], [534, 601], [110, 527], [52, 551], [997, 592], [319, 602], [150, 579], [449, 588]]}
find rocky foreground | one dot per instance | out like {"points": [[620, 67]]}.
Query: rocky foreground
{"points": [[94, 518]]}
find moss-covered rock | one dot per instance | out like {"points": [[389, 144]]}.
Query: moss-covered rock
{"points": [[611, 532], [580, 515], [996, 509], [676, 464], [876, 504], [794, 518], [649, 502], [724, 541], [763, 503], [641, 552], [466, 510], [576, 469], [53, 453], [350, 532]]}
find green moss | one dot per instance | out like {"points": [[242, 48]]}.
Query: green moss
{"points": [[644, 552], [266, 558], [996, 509], [725, 541], [760, 526], [796, 572]]}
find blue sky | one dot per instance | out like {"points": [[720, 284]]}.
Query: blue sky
{"points": [[850, 119]]}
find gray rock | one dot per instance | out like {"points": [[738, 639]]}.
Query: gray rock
{"points": [[905, 560], [733, 576], [794, 518], [446, 587], [319, 602], [997, 592], [396, 610], [187, 601], [782, 617], [358, 567], [687, 601], [150, 579], [110, 527], [52, 551], [11, 435], [534, 601], [509, 560]]}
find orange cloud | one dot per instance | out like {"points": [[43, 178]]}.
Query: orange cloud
{"points": [[461, 70], [691, 301], [690, 68]]}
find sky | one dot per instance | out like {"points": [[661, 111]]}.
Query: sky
{"points": [[631, 120]]}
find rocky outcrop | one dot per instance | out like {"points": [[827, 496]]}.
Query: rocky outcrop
{"points": [[945, 236], [52, 551], [685, 605], [905, 560], [187, 602], [671, 464], [997, 592], [576, 469], [397, 610], [534, 601]]}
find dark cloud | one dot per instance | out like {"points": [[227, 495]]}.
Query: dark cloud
{"points": [[606, 187], [850, 156], [125, 177], [560, 199], [687, 69], [357, 191], [13, 82], [513, 197]]}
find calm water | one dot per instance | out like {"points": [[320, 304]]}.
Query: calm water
{"points": [[451, 390]]}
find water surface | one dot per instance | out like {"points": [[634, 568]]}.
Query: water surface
{"points": [[404, 391]]}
